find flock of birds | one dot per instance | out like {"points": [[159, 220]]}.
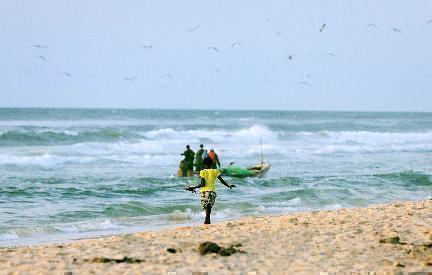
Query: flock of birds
{"points": [[169, 76]]}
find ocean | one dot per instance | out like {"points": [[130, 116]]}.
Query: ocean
{"points": [[70, 174]]}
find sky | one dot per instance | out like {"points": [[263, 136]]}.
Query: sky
{"points": [[268, 55]]}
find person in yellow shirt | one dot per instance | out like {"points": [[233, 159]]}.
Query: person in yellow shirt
{"points": [[208, 187]]}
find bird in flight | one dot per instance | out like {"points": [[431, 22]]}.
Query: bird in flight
{"points": [[429, 22], [217, 70], [147, 47], [130, 78], [330, 54], [372, 26], [397, 30], [40, 46], [66, 74], [290, 57], [235, 45], [28, 73], [214, 48], [193, 29], [168, 75], [322, 27], [41, 57]]}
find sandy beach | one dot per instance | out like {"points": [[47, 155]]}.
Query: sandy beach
{"points": [[381, 238]]}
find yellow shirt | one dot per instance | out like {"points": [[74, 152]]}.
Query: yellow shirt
{"points": [[210, 176]]}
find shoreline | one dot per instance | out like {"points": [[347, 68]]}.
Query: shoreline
{"points": [[385, 238]]}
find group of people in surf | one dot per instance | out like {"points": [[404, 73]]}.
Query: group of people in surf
{"points": [[192, 159], [206, 166]]}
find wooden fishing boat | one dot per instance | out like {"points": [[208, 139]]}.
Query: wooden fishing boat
{"points": [[258, 170]]}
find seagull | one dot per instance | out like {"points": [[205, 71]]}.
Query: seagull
{"points": [[130, 78], [28, 73], [322, 27], [168, 75], [330, 54], [146, 46], [372, 26], [66, 74], [290, 57], [235, 45], [397, 30], [193, 29], [41, 57], [214, 48], [40, 46]]}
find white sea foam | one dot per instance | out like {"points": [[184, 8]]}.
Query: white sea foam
{"points": [[364, 137], [178, 215], [71, 132], [289, 203], [163, 146], [376, 138], [124, 147], [45, 160], [190, 215], [251, 134], [88, 226], [9, 236]]}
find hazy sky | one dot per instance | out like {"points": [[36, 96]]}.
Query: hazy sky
{"points": [[98, 43]]}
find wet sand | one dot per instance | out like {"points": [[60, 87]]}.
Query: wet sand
{"points": [[381, 238]]}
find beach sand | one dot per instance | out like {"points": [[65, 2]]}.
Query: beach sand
{"points": [[381, 238]]}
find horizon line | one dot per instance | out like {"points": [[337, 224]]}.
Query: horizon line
{"points": [[224, 109]]}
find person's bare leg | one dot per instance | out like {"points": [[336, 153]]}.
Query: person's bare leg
{"points": [[207, 218]]}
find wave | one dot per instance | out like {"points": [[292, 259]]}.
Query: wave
{"points": [[10, 236], [45, 160], [171, 136], [371, 138], [53, 136], [326, 142], [162, 147], [250, 134], [412, 178], [246, 141]]}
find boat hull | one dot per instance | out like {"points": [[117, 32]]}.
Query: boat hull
{"points": [[238, 172]]}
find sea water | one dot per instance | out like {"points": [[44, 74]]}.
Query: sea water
{"points": [[76, 173]]}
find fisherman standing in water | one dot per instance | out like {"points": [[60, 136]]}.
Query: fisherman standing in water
{"points": [[215, 159], [187, 168], [208, 187], [199, 164]]}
